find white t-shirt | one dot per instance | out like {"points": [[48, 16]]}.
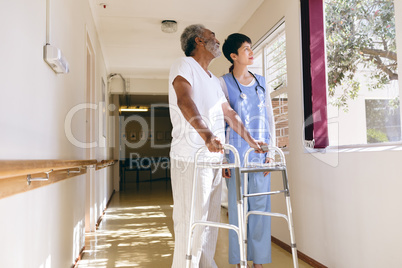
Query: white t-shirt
{"points": [[208, 97]]}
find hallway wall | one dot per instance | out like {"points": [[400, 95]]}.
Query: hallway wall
{"points": [[346, 203], [45, 227]]}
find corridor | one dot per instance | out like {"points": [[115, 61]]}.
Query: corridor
{"points": [[137, 231]]}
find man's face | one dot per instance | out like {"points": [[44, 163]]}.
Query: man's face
{"points": [[211, 43]]}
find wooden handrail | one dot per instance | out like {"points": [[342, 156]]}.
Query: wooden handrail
{"points": [[105, 163], [13, 168], [16, 175]]}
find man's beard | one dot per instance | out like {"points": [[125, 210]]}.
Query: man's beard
{"points": [[213, 47]]}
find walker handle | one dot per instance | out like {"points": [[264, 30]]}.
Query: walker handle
{"points": [[266, 148], [236, 168]]}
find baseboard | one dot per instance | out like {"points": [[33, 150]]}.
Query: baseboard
{"points": [[103, 213], [75, 265], [300, 255]]}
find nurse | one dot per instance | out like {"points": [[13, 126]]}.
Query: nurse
{"points": [[246, 94]]}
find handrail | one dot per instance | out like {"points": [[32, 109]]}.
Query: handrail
{"points": [[105, 163], [16, 176], [13, 168]]}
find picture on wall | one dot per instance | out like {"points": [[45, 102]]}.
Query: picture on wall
{"points": [[133, 136]]}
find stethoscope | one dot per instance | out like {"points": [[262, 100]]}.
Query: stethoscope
{"points": [[244, 96]]}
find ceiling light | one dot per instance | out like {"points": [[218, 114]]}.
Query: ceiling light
{"points": [[134, 109], [169, 26]]}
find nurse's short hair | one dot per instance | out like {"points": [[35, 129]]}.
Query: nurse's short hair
{"points": [[188, 36], [233, 43]]}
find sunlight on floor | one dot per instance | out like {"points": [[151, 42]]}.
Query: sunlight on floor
{"points": [[137, 231]]}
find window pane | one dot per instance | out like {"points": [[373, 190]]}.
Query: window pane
{"points": [[276, 63], [276, 78], [363, 87], [383, 121], [270, 61], [280, 108]]}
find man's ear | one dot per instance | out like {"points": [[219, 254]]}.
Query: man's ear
{"points": [[199, 41]]}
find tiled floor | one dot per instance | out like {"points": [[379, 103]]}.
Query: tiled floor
{"points": [[137, 229]]}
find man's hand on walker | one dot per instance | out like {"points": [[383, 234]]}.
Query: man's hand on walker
{"points": [[214, 144]]}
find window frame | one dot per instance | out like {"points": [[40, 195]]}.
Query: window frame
{"points": [[371, 146], [390, 145], [260, 47]]}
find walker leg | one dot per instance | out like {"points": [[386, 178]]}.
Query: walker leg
{"points": [[240, 218], [190, 225], [292, 232], [189, 245], [188, 261], [290, 220], [243, 260], [245, 210]]}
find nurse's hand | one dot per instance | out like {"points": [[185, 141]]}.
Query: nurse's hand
{"points": [[268, 160], [258, 146], [226, 173]]}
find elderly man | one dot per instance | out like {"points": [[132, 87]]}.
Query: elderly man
{"points": [[197, 111]]}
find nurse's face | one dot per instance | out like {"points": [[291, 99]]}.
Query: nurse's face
{"points": [[245, 55]]}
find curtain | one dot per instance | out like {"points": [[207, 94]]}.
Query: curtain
{"points": [[314, 73]]}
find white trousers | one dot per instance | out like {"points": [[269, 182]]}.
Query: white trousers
{"points": [[208, 201]]}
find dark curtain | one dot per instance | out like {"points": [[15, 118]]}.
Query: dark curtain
{"points": [[314, 73]]}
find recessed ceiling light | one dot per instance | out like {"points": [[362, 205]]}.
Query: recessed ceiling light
{"points": [[169, 26]]}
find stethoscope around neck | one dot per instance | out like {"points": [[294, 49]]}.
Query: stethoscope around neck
{"points": [[244, 96]]}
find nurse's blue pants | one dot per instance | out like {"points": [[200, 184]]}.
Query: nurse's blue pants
{"points": [[259, 227]]}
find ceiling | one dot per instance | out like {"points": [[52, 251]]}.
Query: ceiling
{"points": [[130, 33]]}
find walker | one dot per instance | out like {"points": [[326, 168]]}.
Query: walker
{"points": [[193, 223], [258, 167]]}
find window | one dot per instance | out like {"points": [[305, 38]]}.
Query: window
{"points": [[270, 62], [362, 70], [382, 120]]}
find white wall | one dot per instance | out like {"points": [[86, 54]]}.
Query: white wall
{"points": [[45, 227], [346, 204]]}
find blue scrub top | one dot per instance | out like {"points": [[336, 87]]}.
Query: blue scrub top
{"points": [[253, 113]]}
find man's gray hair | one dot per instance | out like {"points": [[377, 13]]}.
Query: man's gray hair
{"points": [[188, 36]]}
